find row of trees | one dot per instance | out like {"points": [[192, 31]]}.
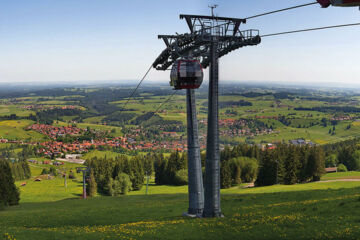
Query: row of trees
{"points": [[20, 170], [18, 161], [117, 176], [346, 153], [171, 170], [237, 170], [287, 164]]}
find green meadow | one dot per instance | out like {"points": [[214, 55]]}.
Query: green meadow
{"points": [[14, 109], [322, 210], [15, 130], [100, 154]]}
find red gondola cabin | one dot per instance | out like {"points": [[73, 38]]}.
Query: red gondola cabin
{"points": [[339, 3], [186, 74]]}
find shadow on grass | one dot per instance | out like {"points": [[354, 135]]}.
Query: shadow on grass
{"points": [[264, 197]]}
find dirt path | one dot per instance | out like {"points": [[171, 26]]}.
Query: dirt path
{"points": [[342, 180]]}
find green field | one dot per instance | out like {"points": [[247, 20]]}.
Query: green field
{"points": [[341, 175], [14, 109], [304, 124], [14, 130], [265, 106], [324, 210], [100, 154]]}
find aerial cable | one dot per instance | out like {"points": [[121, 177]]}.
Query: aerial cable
{"points": [[282, 10], [310, 29], [137, 87], [163, 103]]}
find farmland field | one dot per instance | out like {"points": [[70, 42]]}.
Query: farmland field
{"points": [[14, 109], [14, 130]]}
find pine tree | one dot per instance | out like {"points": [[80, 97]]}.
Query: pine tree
{"points": [[235, 170], [291, 166], [267, 170], [225, 174], [91, 187], [319, 166], [9, 194], [137, 173], [315, 164]]}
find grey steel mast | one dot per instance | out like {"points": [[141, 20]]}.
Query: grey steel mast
{"points": [[195, 186], [210, 38], [212, 168]]}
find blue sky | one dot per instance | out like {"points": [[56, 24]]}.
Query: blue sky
{"points": [[106, 40]]}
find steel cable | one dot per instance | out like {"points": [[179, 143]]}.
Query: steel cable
{"points": [[282, 10], [137, 87], [163, 103], [310, 29]]}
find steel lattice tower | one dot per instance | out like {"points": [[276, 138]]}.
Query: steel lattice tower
{"points": [[209, 39]]}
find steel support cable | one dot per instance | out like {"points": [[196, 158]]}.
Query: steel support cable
{"points": [[163, 103], [137, 87], [311, 29], [282, 10]]}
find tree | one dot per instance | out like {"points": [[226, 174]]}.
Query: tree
{"points": [[341, 168], [149, 165], [136, 172], [356, 161], [91, 186], [249, 169], [121, 185], [346, 157], [160, 166], [268, 169], [175, 163], [235, 170], [181, 177], [292, 163], [225, 174], [316, 164], [331, 160], [9, 194]]}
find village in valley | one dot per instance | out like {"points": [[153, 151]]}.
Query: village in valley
{"points": [[263, 121]]}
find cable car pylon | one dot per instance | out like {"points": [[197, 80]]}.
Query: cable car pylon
{"points": [[210, 38]]}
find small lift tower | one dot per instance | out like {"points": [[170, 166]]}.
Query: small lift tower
{"points": [[84, 171]]}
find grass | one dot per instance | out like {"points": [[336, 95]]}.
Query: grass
{"points": [[50, 190], [100, 154], [15, 130], [304, 211], [14, 109], [53, 189], [341, 175]]}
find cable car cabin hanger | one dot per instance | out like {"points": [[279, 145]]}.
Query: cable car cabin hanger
{"points": [[186, 74], [339, 3]]}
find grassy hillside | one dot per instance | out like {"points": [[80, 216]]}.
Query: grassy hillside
{"points": [[15, 130], [14, 109], [325, 210]]}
